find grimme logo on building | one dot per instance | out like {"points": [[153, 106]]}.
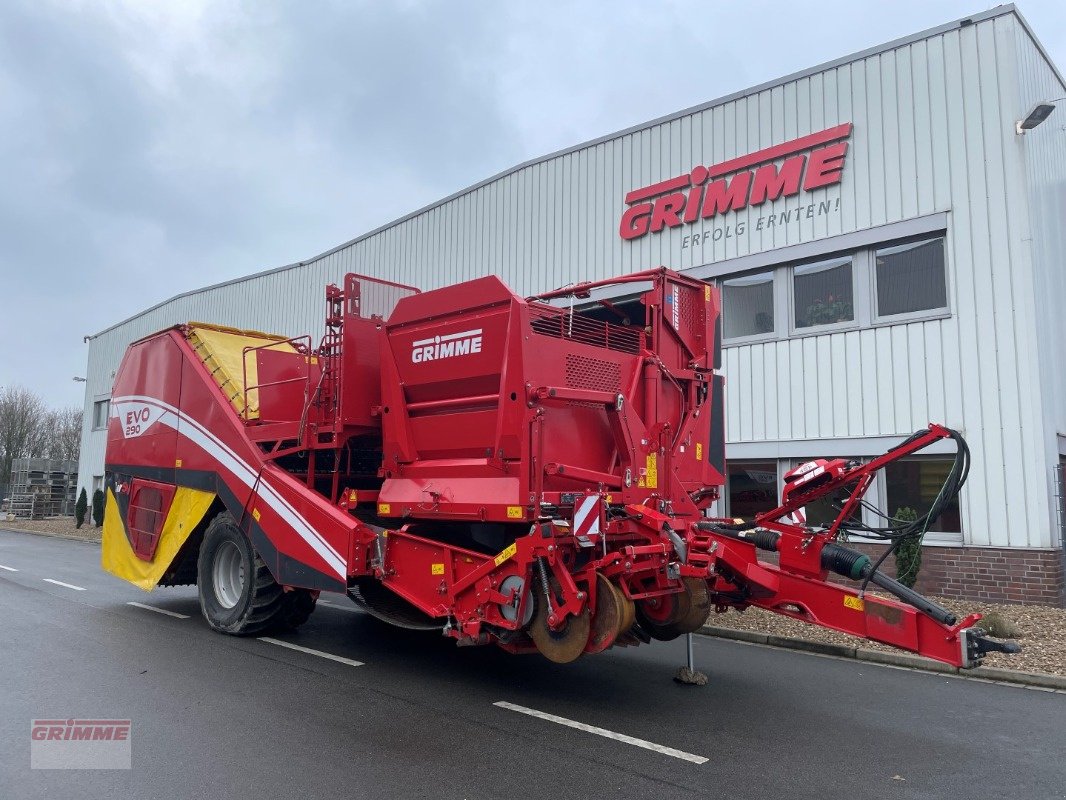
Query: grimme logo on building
{"points": [[450, 346], [784, 170]]}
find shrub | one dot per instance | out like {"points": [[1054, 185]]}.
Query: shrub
{"points": [[80, 508], [908, 551], [98, 508]]}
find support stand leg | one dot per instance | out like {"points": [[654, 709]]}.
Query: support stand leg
{"points": [[689, 675]]}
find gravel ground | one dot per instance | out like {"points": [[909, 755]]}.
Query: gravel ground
{"points": [[1042, 632], [53, 526]]}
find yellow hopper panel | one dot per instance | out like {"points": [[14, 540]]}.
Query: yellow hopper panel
{"points": [[222, 350]]}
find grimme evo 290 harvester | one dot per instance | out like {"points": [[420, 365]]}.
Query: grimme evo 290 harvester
{"points": [[533, 473]]}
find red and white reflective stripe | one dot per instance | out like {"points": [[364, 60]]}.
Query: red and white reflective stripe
{"points": [[244, 472], [587, 516]]}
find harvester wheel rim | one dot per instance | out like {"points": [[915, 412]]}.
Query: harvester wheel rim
{"points": [[227, 574]]}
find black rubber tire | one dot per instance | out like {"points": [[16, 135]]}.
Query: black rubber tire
{"points": [[262, 603], [297, 606]]}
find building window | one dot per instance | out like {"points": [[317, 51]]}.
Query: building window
{"points": [[822, 293], [823, 512], [752, 487], [98, 483], [915, 484], [748, 305], [911, 277], [101, 411]]}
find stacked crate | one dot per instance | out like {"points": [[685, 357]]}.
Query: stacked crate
{"points": [[43, 487]]}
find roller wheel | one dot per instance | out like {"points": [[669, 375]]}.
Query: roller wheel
{"points": [[667, 617], [629, 612], [609, 617], [699, 606], [238, 595], [659, 616], [565, 643]]}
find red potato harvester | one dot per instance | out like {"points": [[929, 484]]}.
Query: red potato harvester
{"points": [[532, 473]]}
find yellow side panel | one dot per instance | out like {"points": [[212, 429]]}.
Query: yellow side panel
{"points": [[118, 558], [222, 351]]}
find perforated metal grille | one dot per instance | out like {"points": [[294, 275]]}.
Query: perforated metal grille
{"points": [[690, 311], [592, 373], [560, 324]]}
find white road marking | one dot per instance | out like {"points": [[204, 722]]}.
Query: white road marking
{"points": [[309, 651], [618, 737], [158, 610], [66, 585], [338, 606], [9, 569]]}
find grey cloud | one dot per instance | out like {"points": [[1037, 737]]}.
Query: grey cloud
{"points": [[149, 149]]}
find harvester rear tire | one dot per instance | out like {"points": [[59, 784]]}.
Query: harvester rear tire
{"points": [[238, 595]]}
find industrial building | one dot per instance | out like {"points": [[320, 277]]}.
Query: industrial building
{"points": [[886, 230]]}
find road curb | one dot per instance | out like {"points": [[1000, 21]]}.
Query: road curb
{"points": [[1033, 679], [51, 535]]}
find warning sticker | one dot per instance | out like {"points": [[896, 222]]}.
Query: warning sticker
{"points": [[850, 601], [384, 508], [514, 512], [436, 569], [699, 451], [506, 554], [651, 472]]}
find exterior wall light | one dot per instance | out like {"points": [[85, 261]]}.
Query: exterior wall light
{"points": [[1040, 112]]}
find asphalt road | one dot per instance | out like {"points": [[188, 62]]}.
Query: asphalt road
{"points": [[222, 717]]}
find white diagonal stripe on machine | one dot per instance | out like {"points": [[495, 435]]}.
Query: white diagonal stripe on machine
{"points": [[240, 469], [618, 737]]}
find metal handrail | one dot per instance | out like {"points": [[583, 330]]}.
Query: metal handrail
{"points": [[302, 346]]}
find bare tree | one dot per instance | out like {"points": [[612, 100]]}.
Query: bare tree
{"points": [[21, 416], [62, 429]]}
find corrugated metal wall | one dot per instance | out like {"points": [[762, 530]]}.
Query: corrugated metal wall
{"points": [[1043, 152], [933, 132]]}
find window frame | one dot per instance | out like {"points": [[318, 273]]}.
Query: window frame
{"points": [[726, 502], [769, 336], [940, 312], [829, 327], [107, 413], [864, 291], [882, 480]]}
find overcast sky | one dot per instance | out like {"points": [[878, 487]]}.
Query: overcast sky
{"points": [[151, 148]]}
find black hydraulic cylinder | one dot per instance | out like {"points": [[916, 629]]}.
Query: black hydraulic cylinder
{"points": [[910, 597]]}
